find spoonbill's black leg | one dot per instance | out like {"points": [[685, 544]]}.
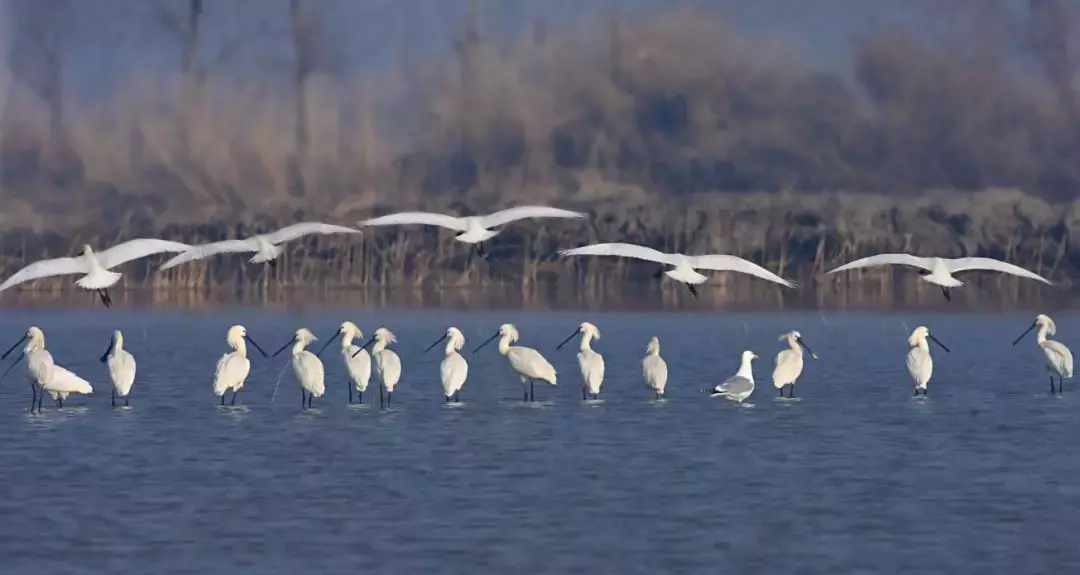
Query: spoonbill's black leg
{"points": [[350, 393], [223, 398], [389, 398], [128, 397], [382, 398], [113, 401], [532, 391], [584, 394], [33, 398], [303, 399], [233, 400], [360, 397]]}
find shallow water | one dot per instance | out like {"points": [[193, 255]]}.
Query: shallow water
{"points": [[853, 476]]}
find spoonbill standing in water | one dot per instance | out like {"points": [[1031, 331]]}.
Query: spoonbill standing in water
{"points": [[919, 363], [474, 229], [121, 367], [306, 366], [265, 246], [525, 361], [1059, 359], [233, 368], [789, 363], [590, 362], [387, 363], [357, 360], [454, 369], [654, 368], [94, 267], [739, 386], [682, 266], [43, 372], [938, 271]]}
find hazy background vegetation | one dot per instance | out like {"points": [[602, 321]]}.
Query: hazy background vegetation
{"points": [[796, 133]]}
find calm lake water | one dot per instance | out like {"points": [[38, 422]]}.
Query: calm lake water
{"points": [[854, 476]]}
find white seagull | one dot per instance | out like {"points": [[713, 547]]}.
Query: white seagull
{"points": [[789, 362], [474, 229], [265, 246], [306, 366], [95, 267], [233, 368], [654, 368], [387, 363], [357, 360], [525, 361], [739, 386], [121, 367], [590, 362], [938, 271], [919, 363], [43, 372], [682, 266], [454, 369], [1059, 359]]}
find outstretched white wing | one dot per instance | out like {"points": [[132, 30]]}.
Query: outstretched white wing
{"points": [[206, 250], [621, 250], [306, 228], [423, 218], [989, 264], [47, 268], [525, 212], [886, 260], [723, 262], [136, 249]]}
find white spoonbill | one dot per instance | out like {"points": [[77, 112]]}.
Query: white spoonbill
{"points": [[387, 363], [43, 372], [454, 369], [654, 368], [525, 361], [233, 368], [789, 363], [121, 367], [306, 366], [739, 386], [265, 246], [919, 363], [590, 362], [1059, 359], [94, 267], [683, 266], [938, 271], [474, 229], [357, 360]]}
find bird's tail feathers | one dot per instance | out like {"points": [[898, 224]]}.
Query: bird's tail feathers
{"points": [[98, 279], [269, 252]]}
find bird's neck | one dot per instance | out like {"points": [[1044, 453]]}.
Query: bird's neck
{"points": [[1041, 336], [794, 345], [586, 342], [298, 347], [240, 347], [504, 344], [347, 339], [451, 348], [746, 370], [379, 346], [922, 344]]}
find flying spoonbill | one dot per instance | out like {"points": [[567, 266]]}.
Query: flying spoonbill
{"points": [[683, 266], [474, 229], [306, 366], [739, 386], [938, 271], [789, 362], [590, 362], [654, 368], [1059, 359], [387, 363], [43, 372], [919, 363], [265, 246], [121, 367], [454, 369], [233, 368], [525, 361], [94, 267], [357, 360]]}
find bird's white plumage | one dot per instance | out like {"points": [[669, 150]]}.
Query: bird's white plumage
{"points": [[1057, 358], [121, 366], [526, 362], [789, 362], [654, 368], [387, 363], [473, 229], [941, 269], [64, 383], [453, 370], [357, 359], [265, 245], [94, 266], [43, 372], [920, 365], [684, 265], [739, 386], [590, 362], [307, 368], [233, 368]]}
